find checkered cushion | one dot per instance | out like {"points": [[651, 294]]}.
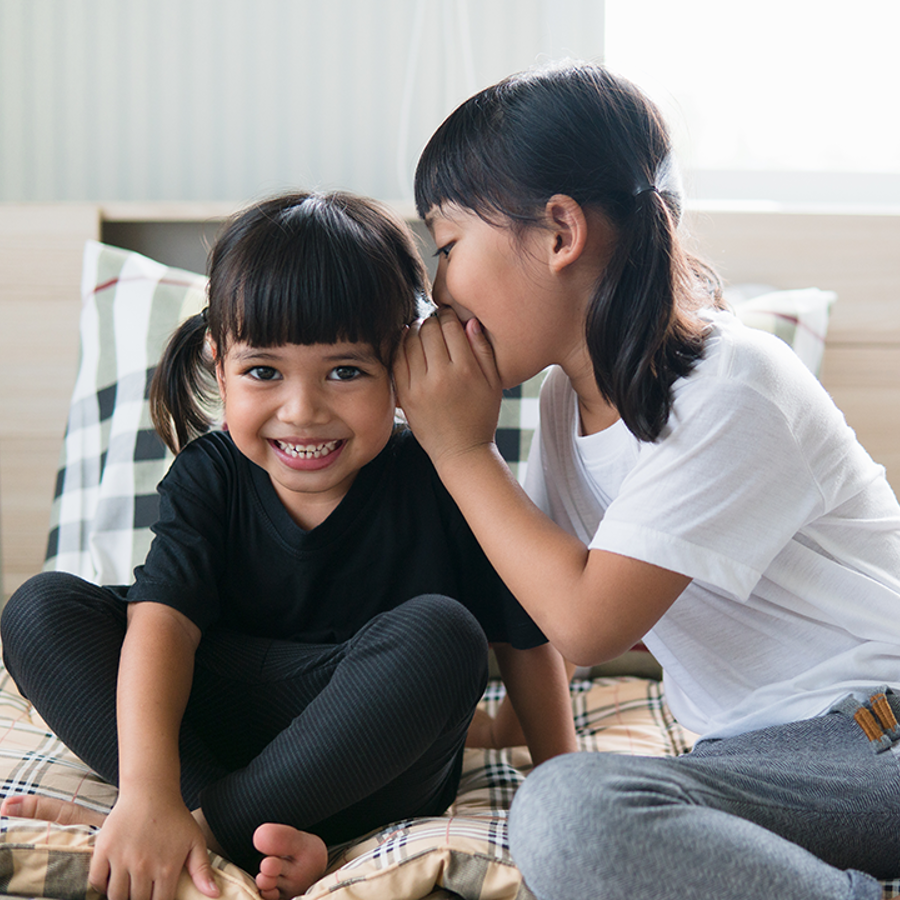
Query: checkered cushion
{"points": [[519, 412], [798, 317], [111, 458], [465, 851]]}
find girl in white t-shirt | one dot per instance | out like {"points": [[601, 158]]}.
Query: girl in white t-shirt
{"points": [[691, 484]]}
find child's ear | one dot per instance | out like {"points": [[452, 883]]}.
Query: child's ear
{"points": [[568, 230]]}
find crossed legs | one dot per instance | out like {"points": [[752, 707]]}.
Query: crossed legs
{"points": [[316, 744]]}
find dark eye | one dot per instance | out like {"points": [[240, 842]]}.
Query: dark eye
{"points": [[444, 251], [345, 373], [263, 373]]}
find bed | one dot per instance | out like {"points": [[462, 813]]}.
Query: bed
{"points": [[103, 504]]}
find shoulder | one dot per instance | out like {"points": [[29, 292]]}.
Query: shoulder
{"points": [[556, 386], [557, 405], [739, 353], [743, 366], [215, 447], [415, 484], [753, 397], [211, 459]]}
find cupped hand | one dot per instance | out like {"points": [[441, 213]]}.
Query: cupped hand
{"points": [[448, 385], [142, 848]]}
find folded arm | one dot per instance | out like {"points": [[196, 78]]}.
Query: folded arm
{"points": [[592, 605]]}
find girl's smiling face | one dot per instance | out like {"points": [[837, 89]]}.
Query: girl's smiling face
{"points": [[310, 415], [507, 284]]}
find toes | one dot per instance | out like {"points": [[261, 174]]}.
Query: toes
{"points": [[20, 805], [272, 839], [271, 867], [267, 887]]}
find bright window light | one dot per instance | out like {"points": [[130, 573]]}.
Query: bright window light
{"points": [[788, 85]]}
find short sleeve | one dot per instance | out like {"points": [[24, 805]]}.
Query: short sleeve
{"points": [[185, 557], [739, 470]]}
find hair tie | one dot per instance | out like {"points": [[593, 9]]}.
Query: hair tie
{"points": [[644, 188], [204, 314]]}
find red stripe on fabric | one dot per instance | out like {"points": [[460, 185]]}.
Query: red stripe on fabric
{"points": [[796, 322], [114, 281]]}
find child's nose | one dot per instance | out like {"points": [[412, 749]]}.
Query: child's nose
{"points": [[302, 406], [439, 291]]}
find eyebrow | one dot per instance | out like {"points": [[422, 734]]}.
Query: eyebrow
{"points": [[267, 355], [254, 353], [358, 356]]}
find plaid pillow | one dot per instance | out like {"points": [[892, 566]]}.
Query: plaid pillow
{"points": [[519, 412], [112, 459], [798, 317]]}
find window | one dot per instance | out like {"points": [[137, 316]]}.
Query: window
{"points": [[791, 100]]}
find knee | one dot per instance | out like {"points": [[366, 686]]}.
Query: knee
{"points": [[44, 610], [444, 630], [440, 641], [548, 811], [575, 821], [31, 607]]}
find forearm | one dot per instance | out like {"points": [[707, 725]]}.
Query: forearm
{"points": [[543, 565], [591, 604], [155, 675], [538, 690]]}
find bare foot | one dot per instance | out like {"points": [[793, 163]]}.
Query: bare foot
{"points": [[294, 860], [49, 809]]}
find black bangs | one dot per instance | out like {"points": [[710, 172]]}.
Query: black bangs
{"points": [[314, 269], [463, 162]]}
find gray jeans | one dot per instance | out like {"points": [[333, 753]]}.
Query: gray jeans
{"points": [[798, 811]]}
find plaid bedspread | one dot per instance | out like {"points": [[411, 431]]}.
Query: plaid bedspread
{"points": [[465, 851]]}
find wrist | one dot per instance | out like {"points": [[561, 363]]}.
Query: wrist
{"points": [[150, 782], [453, 461]]}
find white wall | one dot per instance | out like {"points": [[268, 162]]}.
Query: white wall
{"points": [[228, 99]]}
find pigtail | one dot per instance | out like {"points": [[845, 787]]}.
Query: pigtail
{"points": [[639, 335], [183, 387]]}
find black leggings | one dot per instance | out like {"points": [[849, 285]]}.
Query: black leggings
{"points": [[333, 739]]}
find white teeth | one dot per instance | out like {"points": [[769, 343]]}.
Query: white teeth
{"points": [[308, 451]]}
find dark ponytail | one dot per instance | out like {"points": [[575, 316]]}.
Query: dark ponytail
{"points": [[183, 389], [639, 339], [578, 130]]}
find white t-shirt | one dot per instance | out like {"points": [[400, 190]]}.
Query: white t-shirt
{"points": [[759, 491]]}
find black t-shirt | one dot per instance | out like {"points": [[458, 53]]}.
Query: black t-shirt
{"points": [[228, 555]]}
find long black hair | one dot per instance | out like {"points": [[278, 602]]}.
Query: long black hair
{"points": [[576, 129], [299, 268]]}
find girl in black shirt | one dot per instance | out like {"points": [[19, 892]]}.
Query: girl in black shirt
{"points": [[299, 658]]}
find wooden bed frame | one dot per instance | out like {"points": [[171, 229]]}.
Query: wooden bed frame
{"points": [[855, 254]]}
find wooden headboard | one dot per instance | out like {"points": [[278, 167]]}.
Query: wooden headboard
{"points": [[855, 254]]}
